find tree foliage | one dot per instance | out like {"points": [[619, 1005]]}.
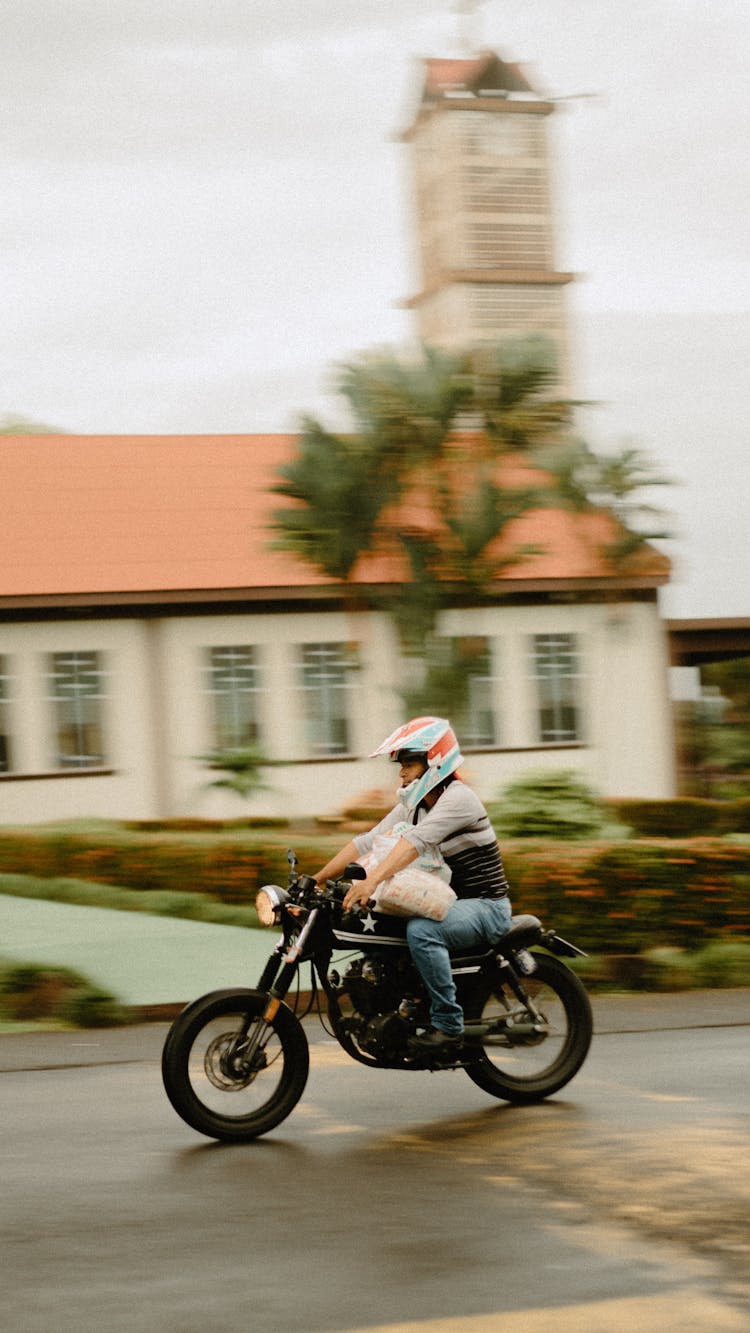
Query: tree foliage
{"points": [[420, 476], [343, 487], [408, 416], [241, 770], [713, 733], [17, 425], [584, 481]]}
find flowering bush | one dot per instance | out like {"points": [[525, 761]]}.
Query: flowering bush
{"points": [[611, 897]]}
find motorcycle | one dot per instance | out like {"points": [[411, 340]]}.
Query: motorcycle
{"points": [[235, 1062]]}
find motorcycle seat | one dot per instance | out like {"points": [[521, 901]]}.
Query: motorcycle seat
{"points": [[525, 930]]}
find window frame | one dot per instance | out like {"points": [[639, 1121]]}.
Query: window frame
{"points": [[6, 735], [79, 698], [557, 690], [250, 720], [344, 657], [454, 647]]}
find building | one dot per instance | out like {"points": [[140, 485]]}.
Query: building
{"points": [[484, 209], [145, 620]]}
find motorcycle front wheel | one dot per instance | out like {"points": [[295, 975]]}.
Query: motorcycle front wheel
{"points": [[529, 1059], [216, 1083]]}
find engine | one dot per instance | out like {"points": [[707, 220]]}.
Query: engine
{"points": [[372, 986], [384, 1013]]}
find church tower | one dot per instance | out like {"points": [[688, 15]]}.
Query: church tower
{"points": [[483, 208]]}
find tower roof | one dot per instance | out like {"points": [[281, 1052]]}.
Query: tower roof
{"points": [[472, 74]]}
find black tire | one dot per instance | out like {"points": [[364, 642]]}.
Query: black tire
{"points": [[538, 1066], [226, 1102]]}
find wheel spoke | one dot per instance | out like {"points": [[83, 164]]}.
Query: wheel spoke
{"points": [[219, 1076]]}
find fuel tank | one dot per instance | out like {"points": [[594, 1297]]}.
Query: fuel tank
{"points": [[373, 928]]}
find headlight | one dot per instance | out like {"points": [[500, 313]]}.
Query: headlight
{"points": [[268, 903]]}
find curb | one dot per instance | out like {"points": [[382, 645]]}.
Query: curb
{"points": [[141, 1039], [614, 1011]]}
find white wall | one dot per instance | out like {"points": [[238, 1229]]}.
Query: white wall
{"points": [[129, 790], [306, 787], [158, 720]]}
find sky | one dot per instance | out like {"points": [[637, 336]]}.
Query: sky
{"points": [[205, 208]]}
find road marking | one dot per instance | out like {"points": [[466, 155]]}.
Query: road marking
{"points": [[684, 1311], [341, 1129], [669, 1097]]}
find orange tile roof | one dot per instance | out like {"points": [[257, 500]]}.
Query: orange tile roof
{"points": [[105, 515], [484, 70]]}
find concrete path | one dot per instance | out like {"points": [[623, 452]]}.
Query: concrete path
{"points": [[141, 959], [154, 960]]}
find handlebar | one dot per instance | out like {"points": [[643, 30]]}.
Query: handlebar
{"points": [[334, 890]]}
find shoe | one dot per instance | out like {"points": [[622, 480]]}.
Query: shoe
{"points": [[438, 1042]]}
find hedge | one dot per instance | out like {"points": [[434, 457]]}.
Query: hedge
{"points": [[226, 868], [611, 897], [627, 897], [684, 817]]}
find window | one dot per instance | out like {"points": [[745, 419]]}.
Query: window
{"points": [[469, 682], [76, 690], [501, 135], [521, 244], [529, 309], [5, 750], [497, 189], [232, 680], [325, 672], [557, 674]]}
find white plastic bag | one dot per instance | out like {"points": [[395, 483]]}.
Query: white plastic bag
{"points": [[414, 892], [430, 860], [419, 890]]}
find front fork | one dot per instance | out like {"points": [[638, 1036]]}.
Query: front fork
{"points": [[276, 980]]}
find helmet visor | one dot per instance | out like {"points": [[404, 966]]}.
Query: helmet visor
{"points": [[410, 757]]}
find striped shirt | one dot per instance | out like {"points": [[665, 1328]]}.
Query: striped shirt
{"points": [[459, 826]]}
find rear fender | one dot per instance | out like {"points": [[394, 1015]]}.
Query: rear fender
{"points": [[562, 948]]}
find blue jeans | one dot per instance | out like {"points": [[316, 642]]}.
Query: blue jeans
{"points": [[471, 923]]}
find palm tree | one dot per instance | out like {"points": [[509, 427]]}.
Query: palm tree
{"points": [[510, 380], [428, 434], [585, 481], [340, 489]]}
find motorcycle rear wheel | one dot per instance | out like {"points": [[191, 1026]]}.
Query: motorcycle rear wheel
{"points": [[533, 1067], [208, 1083]]}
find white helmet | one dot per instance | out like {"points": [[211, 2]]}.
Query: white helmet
{"points": [[432, 739]]}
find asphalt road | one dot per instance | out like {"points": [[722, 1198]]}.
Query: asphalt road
{"points": [[386, 1201]]}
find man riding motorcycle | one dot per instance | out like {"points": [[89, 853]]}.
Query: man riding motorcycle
{"points": [[442, 814]]}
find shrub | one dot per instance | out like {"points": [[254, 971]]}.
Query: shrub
{"points": [[734, 816], [93, 1008], [720, 964], [548, 804], [39, 991], [669, 969], [685, 817], [159, 902], [369, 807], [724, 963], [229, 868]]}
